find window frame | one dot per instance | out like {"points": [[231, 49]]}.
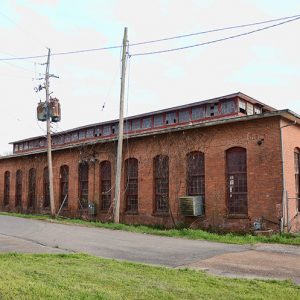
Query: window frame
{"points": [[182, 114], [46, 188], [158, 120], [6, 190], [32, 188], [237, 181], [64, 185], [195, 179], [161, 182], [83, 184], [131, 185], [105, 185], [19, 188]]}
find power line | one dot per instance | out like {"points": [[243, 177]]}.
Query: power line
{"points": [[33, 37], [15, 66], [290, 19], [61, 53], [214, 41], [214, 30]]}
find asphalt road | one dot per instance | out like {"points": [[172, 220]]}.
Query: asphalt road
{"points": [[266, 261]]}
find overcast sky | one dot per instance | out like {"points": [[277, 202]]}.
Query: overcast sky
{"points": [[264, 65]]}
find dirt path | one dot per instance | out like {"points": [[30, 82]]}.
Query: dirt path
{"points": [[252, 264]]}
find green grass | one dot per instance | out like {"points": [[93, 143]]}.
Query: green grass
{"points": [[79, 276], [194, 234]]}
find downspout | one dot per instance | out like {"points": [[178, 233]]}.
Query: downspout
{"points": [[283, 221]]}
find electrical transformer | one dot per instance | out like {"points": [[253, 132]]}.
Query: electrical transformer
{"points": [[42, 111], [55, 112]]}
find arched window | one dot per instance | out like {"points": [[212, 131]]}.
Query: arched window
{"points": [[46, 188], [31, 188], [131, 184], [18, 200], [6, 188], [195, 174], [161, 182], [64, 185], [297, 177], [105, 184], [83, 184], [236, 163]]}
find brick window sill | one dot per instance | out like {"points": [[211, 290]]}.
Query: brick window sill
{"points": [[243, 216], [131, 212], [161, 214]]}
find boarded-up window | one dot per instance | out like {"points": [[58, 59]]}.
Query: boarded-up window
{"points": [[105, 182], [60, 140], [64, 185], [6, 188], [184, 116], [136, 124], [82, 134], [115, 128], [46, 188], [83, 177], [106, 130], [67, 138], [257, 110], [198, 113], [242, 106], [31, 188], [43, 142], [297, 177], [195, 174], [98, 131], [131, 184], [18, 188], [158, 120], [74, 137], [161, 182], [127, 126], [90, 133], [236, 161], [249, 108], [171, 118], [228, 107], [147, 123]]}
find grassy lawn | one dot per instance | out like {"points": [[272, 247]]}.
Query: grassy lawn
{"points": [[194, 234], [79, 276]]}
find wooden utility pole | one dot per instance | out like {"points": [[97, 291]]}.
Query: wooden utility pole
{"points": [[49, 151], [120, 136]]}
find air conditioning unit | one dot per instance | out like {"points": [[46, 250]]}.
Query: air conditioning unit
{"points": [[192, 205]]}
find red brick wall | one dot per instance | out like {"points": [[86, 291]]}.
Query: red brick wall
{"points": [[291, 141], [263, 164]]}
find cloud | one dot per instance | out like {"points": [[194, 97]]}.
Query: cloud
{"points": [[264, 65]]}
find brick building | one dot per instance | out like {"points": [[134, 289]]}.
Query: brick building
{"points": [[241, 156]]}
